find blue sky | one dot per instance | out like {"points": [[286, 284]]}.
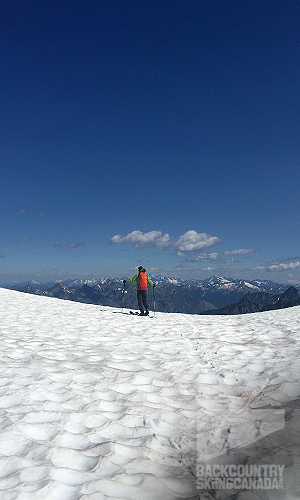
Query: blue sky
{"points": [[162, 133]]}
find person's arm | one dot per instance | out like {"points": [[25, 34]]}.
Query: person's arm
{"points": [[133, 279], [149, 281]]}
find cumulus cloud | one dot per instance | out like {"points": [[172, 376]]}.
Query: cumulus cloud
{"points": [[70, 245], [204, 257], [208, 256], [283, 267], [191, 241], [240, 251], [278, 267], [143, 240]]}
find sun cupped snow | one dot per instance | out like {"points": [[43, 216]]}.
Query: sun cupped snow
{"points": [[96, 405]]}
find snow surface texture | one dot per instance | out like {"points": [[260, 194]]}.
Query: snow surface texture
{"points": [[100, 405]]}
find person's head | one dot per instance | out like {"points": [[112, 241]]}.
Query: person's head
{"points": [[141, 269]]}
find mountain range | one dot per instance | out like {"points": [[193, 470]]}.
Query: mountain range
{"points": [[215, 295], [110, 293], [261, 301]]}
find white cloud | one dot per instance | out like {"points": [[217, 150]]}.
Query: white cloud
{"points": [[143, 240], [191, 241], [283, 267], [70, 245], [202, 257], [207, 256], [278, 267], [240, 251]]}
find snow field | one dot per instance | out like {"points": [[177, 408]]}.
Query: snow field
{"points": [[100, 405]]}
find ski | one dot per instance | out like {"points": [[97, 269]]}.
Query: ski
{"points": [[135, 313]]}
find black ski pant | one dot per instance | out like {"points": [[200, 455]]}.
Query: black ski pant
{"points": [[142, 300]]}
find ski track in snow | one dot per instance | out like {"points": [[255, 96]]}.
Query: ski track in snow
{"points": [[100, 405]]}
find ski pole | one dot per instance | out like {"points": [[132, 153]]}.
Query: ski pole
{"points": [[153, 302], [123, 297]]}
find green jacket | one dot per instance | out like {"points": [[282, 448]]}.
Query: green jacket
{"points": [[136, 278]]}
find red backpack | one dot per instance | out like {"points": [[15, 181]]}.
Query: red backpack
{"points": [[143, 281]]}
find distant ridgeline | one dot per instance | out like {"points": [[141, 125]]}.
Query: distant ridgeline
{"points": [[213, 296], [168, 299], [262, 301]]}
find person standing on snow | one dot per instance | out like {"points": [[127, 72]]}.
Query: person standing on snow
{"points": [[142, 280]]}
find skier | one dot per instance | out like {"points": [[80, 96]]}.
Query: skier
{"points": [[142, 280]]}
